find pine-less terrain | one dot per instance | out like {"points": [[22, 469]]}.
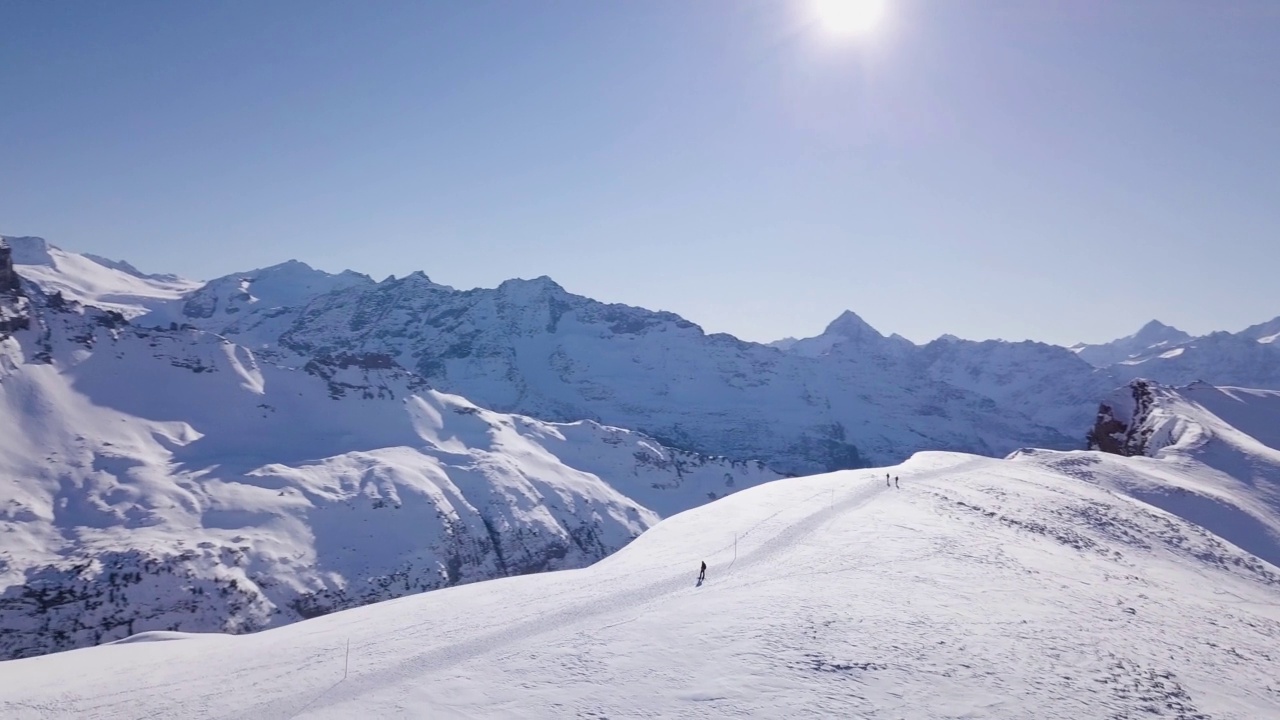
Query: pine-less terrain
{"points": [[284, 443]]}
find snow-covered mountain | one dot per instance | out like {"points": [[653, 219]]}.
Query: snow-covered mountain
{"points": [[1219, 358], [91, 280], [256, 306], [1250, 358], [1267, 333], [848, 397], [1047, 383], [1208, 454], [1153, 338], [171, 480], [983, 588], [529, 346], [848, 335]]}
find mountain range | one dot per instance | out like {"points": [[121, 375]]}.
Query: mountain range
{"points": [[284, 442], [157, 478], [848, 397]]}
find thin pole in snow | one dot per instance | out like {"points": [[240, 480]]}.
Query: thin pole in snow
{"points": [[346, 664]]}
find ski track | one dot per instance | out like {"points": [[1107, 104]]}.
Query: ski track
{"points": [[581, 611]]}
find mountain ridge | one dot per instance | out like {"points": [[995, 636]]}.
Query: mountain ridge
{"points": [[159, 479]]}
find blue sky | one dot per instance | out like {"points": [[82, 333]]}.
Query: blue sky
{"points": [[1059, 171]]}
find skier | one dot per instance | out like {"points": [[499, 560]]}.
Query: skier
{"points": [[886, 479], [702, 574], [895, 481]]}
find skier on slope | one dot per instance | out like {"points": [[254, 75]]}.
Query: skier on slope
{"points": [[895, 481], [886, 479], [702, 574]]}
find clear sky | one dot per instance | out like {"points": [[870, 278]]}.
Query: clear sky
{"points": [[1056, 170]]}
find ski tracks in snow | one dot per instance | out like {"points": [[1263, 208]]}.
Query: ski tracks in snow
{"points": [[585, 608]]}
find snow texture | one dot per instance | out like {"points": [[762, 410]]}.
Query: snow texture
{"points": [[982, 588]]}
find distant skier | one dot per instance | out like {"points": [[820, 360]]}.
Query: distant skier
{"points": [[702, 574], [895, 481], [886, 479]]}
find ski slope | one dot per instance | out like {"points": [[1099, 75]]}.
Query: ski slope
{"points": [[982, 588]]}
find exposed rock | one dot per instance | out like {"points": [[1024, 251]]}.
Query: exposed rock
{"points": [[1119, 428], [8, 278]]}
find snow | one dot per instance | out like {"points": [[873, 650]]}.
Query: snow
{"points": [[254, 306], [982, 588], [1266, 332], [1208, 454], [105, 284], [849, 397], [172, 480], [1153, 335], [529, 347]]}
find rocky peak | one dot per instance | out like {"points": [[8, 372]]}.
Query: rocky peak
{"points": [[13, 305], [1154, 337], [1119, 427], [8, 277], [850, 326], [521, 289], [29, 250], [1156, 332]]}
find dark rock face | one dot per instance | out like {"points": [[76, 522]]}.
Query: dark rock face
{"points": [[8, 278], [1112, 435], [13, 315], [90, 600]]}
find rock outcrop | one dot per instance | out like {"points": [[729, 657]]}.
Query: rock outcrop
{"points": [[13, 306], [8, 277], [1120, 427]]}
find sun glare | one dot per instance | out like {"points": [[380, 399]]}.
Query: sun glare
{"points": [[850, 17]]}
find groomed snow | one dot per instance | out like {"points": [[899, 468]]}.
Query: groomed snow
{"points": [[981, 589]]}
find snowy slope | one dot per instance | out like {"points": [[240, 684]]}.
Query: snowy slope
{"points": [[90, 280], [981, 589], [1209, 454], [170, 480]]}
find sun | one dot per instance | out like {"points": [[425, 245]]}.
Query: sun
{"points": [[850, 17]]}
